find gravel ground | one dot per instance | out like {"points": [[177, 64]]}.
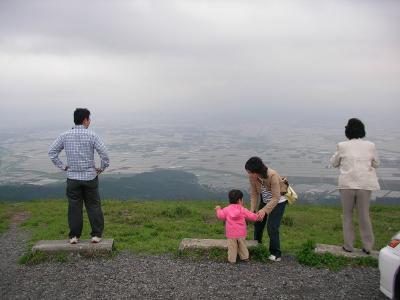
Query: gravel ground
{"points": [[162, 277]]}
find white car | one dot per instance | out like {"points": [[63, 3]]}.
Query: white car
{"points": [[389, 267]]}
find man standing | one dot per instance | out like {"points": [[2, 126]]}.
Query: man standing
{"points": [[82, 175]]}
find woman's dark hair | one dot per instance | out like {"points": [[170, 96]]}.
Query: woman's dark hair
{"points": [[354, 129], [235, 196], [256, 165], [81, 114]]}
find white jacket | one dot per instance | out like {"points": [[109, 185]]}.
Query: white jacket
{"points": [[357, 160]]}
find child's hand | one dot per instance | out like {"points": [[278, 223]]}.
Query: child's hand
{"points": [[217, 207], [261, 215]]}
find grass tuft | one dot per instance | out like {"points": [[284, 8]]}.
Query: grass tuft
{"points": [[337, 227], [61, 257], [367, 261], [287, 221], [4, 217], [33, 258], [177, 212], [308, 257], [259, 253]]}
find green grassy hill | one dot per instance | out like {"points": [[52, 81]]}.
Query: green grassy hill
{"points": [[155, 227]]}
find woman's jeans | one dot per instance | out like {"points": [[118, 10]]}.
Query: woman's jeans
{"points": [[273, 221]]}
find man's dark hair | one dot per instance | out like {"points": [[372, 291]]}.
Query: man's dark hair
{"points": [[81, 114], [354, 129], [256, 165], [235, 196]]}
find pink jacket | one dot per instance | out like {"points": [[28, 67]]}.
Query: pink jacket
{"points": [[235, 216]]}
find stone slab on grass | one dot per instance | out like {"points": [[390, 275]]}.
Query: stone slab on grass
{"points": [[337, 250], [84, 246], [206, 244]]}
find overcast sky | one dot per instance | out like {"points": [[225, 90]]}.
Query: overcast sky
{"points": [[300, 62]]}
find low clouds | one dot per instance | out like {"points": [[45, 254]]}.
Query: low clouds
{"points": [[209, 58]]}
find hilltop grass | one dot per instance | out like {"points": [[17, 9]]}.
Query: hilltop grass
{"points": [[157, 227], [5, 213]]}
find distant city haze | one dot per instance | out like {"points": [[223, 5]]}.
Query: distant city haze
{"points": [[192, 162], [200, 63]]}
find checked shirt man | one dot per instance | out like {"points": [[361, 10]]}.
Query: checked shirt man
{"points": [[79, 144]]}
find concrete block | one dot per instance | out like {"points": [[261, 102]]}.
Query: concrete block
{"points": [[337, 250], [209, 243], [84, 246]]}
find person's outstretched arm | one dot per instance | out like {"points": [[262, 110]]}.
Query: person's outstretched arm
{"points": [[220, 213], [250, 215]]}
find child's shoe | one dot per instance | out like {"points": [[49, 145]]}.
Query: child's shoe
{"points": [[274, 258]]}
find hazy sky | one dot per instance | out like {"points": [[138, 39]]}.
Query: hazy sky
{"points": [[235, 61]]}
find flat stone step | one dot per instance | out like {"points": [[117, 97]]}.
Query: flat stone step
{"points": [[337, 250], [206, 244], [84, 246]]}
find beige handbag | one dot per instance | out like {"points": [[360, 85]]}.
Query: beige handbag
{"points": [[291, 195]]}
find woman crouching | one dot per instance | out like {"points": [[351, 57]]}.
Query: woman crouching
{"points": [[266, 185]]}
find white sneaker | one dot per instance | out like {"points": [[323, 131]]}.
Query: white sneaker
{"points": [[73, 240], [274, 258], [96, 239]]}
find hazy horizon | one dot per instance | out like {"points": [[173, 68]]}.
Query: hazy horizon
{"points": [[209, 63]]}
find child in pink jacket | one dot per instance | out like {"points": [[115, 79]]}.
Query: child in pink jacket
{"points": [[235, 216]]}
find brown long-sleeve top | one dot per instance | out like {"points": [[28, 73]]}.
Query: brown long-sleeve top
{"points": [[273, 183]]}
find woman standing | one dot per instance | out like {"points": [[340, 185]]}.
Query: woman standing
{"points": [[266, 184], [357, 160]]}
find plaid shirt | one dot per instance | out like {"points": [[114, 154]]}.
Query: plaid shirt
{"points": [[79, 144]]}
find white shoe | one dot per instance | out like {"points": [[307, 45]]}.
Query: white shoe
{"points": [[73, 240], [274, 258], [96, 239]]}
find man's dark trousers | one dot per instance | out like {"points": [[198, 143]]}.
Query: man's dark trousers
{"points": [[79, 192]]}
